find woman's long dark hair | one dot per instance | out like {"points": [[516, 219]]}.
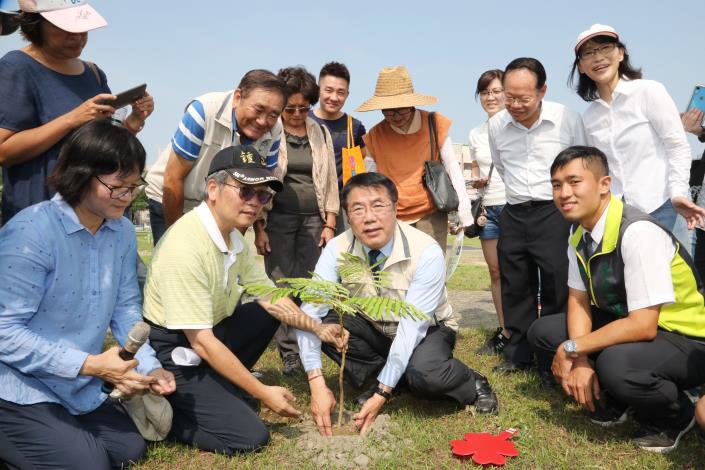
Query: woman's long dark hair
{"points": [[586, 87]]}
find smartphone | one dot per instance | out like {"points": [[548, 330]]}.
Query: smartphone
{"points": [[698, 98], [128, 96]]}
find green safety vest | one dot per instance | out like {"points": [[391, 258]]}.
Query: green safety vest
{"points": [[603, 274]]}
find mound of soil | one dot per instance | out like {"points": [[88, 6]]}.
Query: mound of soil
{"points": [[346, 448]]}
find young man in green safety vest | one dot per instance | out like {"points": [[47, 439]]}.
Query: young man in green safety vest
{"points": [[634, 333]]}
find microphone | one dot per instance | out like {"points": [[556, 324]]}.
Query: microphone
{"points": [[135, 339]]}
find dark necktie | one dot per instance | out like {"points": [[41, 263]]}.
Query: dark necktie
{"points": [[373, 257], [589, 244]]}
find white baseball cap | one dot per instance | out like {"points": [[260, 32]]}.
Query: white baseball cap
{"points": [[74, 16], [595, 30]]}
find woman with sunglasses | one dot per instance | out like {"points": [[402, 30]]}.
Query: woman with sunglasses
{"points": [[46, 92], [303, 215], [489, 90], [636, 123], [67, 275]]}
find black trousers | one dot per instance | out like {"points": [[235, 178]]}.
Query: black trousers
{"points": [[210, 412], [45, 435], [649, 376], [432, 371], [531, 238], [294, 240]]}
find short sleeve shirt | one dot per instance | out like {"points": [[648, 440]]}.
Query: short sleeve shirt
{"points": [[30, 96], [194, 280], [338, 129]]}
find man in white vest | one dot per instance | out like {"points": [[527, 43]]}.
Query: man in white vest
{"points": [[248, 115], [418, 352]]}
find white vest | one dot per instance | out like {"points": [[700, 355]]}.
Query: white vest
{"points": [[218, 110], [408, 245]]}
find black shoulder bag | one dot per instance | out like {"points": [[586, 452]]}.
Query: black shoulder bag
{"points": [[435, 178]]}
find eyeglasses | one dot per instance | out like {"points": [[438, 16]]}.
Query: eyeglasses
{"points": [[396, 112], [603, 50], [377, 209], [297, 109], [247, 193], [119, 192], [508, 100], [495, 92]]}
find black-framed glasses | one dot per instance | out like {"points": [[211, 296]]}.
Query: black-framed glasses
{"points": [[119, 192], [297, 109], [396, 112], [247, 193], [604, 50]]}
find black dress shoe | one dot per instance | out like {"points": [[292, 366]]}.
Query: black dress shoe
{"points": [[508, 367], [486, 401]]}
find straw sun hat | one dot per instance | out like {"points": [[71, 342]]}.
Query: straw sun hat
{"points": [[395, 90]]}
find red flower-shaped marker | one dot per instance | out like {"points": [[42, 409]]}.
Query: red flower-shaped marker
{"points": [[486, 449]]}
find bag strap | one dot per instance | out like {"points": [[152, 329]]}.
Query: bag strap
{"points": [[351, 136], [94, 69], [433, 136]]}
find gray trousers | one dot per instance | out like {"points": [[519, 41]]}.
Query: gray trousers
{"points": [[294, 240]]}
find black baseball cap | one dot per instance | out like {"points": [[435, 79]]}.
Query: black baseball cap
{"points": [[245, 164]]}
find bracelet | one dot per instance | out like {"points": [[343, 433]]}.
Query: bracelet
{"points": [[315, 377], [329, 226]]}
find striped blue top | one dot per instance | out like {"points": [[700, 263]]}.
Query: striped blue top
{"points": [[188, 138]]}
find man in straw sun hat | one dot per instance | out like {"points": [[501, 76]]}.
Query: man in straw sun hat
{"points": [[399, 145]]}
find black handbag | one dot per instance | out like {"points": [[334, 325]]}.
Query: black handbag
{"points": [[435, 177], [479, 214]]}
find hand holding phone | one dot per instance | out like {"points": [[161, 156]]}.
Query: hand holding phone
{"points": [[128, 96], [697, 100]]}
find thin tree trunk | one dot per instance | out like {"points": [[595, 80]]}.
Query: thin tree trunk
{"points": [[341, 393]]}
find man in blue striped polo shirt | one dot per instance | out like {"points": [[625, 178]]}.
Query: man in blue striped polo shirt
{"points": [[248, 115]]}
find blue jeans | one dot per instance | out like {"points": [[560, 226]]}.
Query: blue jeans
{"points": [[156, 219], [491, 228]]}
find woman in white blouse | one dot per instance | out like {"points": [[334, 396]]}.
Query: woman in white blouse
{"points": [[489, 90], [636, 123]]}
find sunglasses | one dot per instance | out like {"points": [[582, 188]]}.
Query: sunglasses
{"points": [[297, 109], [247, 193]]}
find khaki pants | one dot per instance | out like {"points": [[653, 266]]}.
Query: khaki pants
{"points": [[435, 225]]}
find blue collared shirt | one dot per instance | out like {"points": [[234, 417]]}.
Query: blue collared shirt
{"points": [[424, 292], [61, 287]]}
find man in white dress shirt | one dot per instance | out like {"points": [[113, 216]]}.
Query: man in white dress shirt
{"points": [[419, 350], [524, 140]]}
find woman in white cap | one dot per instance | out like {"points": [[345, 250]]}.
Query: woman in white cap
{"points": [[47, 91], [636, 123], [399, 145]]}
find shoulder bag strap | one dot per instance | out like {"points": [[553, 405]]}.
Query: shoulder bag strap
{"points": [[94, 69], [433, 135]]}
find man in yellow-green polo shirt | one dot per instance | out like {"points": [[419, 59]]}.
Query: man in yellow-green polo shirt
{"points": [[206, 337], [634, 333]]}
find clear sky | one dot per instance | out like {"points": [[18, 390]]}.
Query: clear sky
{"points": [[184, 49]]}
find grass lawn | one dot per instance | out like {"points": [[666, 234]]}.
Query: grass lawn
{"points": [[553, 432]]}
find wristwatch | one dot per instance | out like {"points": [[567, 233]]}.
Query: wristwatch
{"points": [[380, 391], [570, 348]]}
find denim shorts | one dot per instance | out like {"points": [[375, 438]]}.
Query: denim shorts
{"points": [[491, 230]]}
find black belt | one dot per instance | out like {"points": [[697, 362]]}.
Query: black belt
{"points": [[532, 203]]}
